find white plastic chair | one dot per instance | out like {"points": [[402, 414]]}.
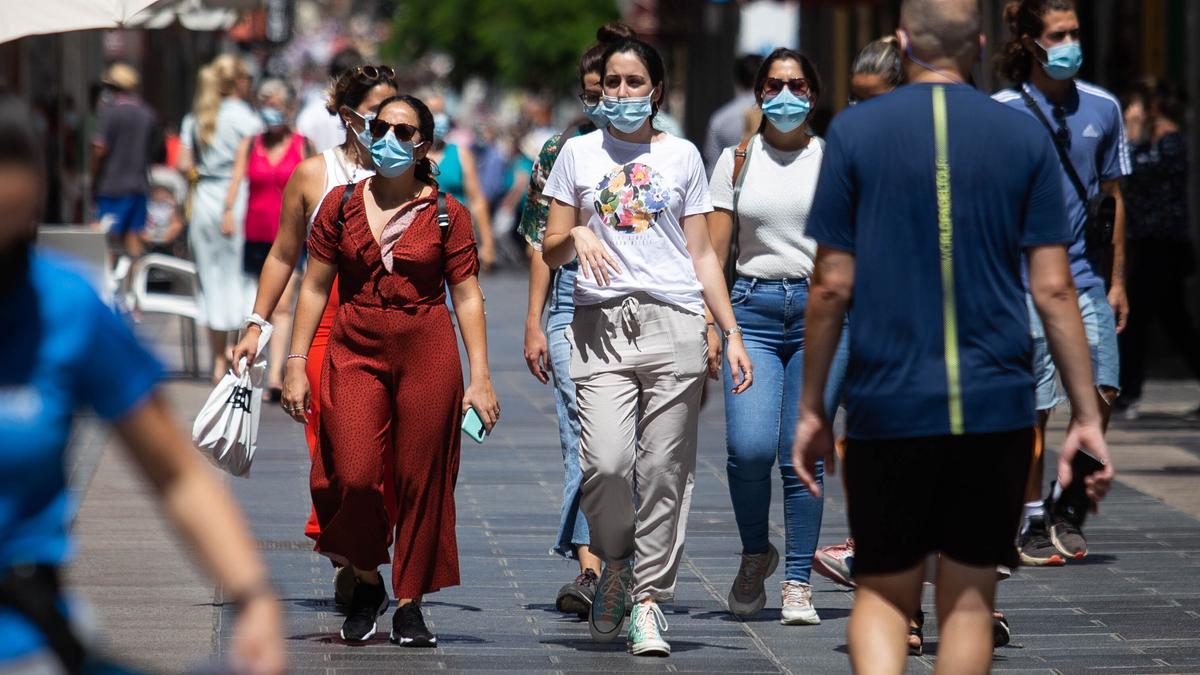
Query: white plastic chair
{"points": [[186, 305]]}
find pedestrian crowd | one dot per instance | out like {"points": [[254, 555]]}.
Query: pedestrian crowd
{"points": [[944, 266]]}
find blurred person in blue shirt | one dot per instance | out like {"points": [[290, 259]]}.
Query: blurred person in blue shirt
{"points": [[63, 350]]}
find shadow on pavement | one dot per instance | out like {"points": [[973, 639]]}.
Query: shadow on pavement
{"points": [[586, 645]]}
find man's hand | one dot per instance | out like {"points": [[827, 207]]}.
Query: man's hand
{"points": [[814, 441], [1090, 437], [1120, 306]]}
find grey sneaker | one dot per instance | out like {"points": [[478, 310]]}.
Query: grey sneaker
{"points": [[1035, 547], [749, 595], [646, 626], [798, 609], [576, 597], [610, 602]]}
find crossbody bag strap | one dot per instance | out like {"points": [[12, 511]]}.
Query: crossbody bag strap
{"points": [[1062, 152], [740, 156], [34, 593], [443, 216], [341, 212]]}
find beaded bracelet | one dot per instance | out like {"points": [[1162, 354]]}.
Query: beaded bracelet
{"points": [[297, 356]]}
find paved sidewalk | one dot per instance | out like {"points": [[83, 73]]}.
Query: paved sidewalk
{"points": [[1131, 606]]}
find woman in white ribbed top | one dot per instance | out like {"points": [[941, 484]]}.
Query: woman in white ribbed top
{"points": [[772, 195]]}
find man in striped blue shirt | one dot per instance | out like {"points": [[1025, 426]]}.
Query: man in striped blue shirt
{"points": [[930, 200]]}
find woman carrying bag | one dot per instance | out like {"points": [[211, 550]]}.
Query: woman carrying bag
{"points": [[758, 228]]}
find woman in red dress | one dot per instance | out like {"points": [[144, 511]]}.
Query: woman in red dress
{"points": [[391, 387]]}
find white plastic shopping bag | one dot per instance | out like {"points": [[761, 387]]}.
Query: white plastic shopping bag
{"points": [[227, 427]]}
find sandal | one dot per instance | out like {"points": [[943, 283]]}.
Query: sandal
{"points": [[1001, 632], [916, 635]]}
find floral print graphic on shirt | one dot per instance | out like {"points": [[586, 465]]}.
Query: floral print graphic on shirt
{"points": [[630, 197]]}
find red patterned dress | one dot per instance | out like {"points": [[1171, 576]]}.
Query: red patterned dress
{"points": [[391, 393]]}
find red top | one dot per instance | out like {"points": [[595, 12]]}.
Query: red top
{"points": [[266, 182], [423, 265]]}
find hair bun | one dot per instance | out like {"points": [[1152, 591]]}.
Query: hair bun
{"points": [[614, 31]]}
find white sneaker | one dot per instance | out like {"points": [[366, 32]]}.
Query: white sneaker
{"points": [[798, 609]]}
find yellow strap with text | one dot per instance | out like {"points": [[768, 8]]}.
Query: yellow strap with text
{"points": [[946, 247]]}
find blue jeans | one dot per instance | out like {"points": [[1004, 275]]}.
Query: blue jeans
{"points": [[760, 423], [572, 527]]}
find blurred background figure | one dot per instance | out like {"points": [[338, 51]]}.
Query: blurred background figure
{"points": [[1160, 253], [266, 162], [876, 70], [322, 128], [65, 350], [210, 137], [727, 126], [457, 174], [122, 147]]}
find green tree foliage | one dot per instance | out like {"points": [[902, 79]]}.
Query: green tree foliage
{"points": [[524, 43]]}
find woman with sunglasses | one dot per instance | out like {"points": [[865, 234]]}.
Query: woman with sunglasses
{"points": [[639, 353], [392, 392], [760, 217], [355, 94], [549, 350]]}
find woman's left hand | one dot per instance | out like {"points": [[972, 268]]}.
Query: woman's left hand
{"points": [[739, 364], [482, 398], [714, 353]]}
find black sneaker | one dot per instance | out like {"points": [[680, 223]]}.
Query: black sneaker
{"points": [[408, 627], [1035, 547], [1001, 632], [369, 601], [1066, 528], [576, 597]]}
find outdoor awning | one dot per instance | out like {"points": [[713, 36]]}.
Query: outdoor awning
{"points": [[199, 15]]}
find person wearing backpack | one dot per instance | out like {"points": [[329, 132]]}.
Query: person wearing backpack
{"points": [[762, 190], [391, 390]]}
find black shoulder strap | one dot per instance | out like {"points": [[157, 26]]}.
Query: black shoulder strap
{"points": [[341, 212], [1062, 152], [443, 215], [34, 592]]}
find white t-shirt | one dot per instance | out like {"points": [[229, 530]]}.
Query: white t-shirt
{"points": [[635, 196], [777, 194]]}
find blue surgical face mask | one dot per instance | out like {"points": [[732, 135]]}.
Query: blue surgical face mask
{"points": [[364, 136], [441, 125], [595, 115], [272, 117], [785, 110], [391, 156], [1063, 61], [627, 114]]}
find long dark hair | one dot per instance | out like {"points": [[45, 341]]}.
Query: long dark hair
{"points": [[426, 170], [649, 57], [806, 67], [1024, 17]]}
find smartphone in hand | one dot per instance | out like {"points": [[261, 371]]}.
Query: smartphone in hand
{"points": [[472, 426], [1074, 503]]}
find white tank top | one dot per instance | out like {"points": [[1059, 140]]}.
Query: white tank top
{"points": [[338, 171]]}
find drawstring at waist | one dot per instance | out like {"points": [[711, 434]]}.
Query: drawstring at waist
{"points": [[629, 317]]}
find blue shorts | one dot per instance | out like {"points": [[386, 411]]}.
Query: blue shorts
{"points": [[1101, 330], [119, 215]]}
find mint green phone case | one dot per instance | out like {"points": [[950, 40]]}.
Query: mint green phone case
{"points": [[472, 426]]}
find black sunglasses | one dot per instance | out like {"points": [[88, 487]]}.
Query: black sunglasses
{"points": [[590, 98], [373, 73], [1064, 132], [774, 85], [404, 132]]}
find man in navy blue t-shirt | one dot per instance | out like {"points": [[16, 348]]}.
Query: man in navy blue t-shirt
{"points": [[927, 199]]}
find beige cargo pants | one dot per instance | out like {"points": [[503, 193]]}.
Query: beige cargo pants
{"points": [[638, 365]]}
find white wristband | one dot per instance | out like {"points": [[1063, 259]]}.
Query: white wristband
{"points": [[256, 320]]}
